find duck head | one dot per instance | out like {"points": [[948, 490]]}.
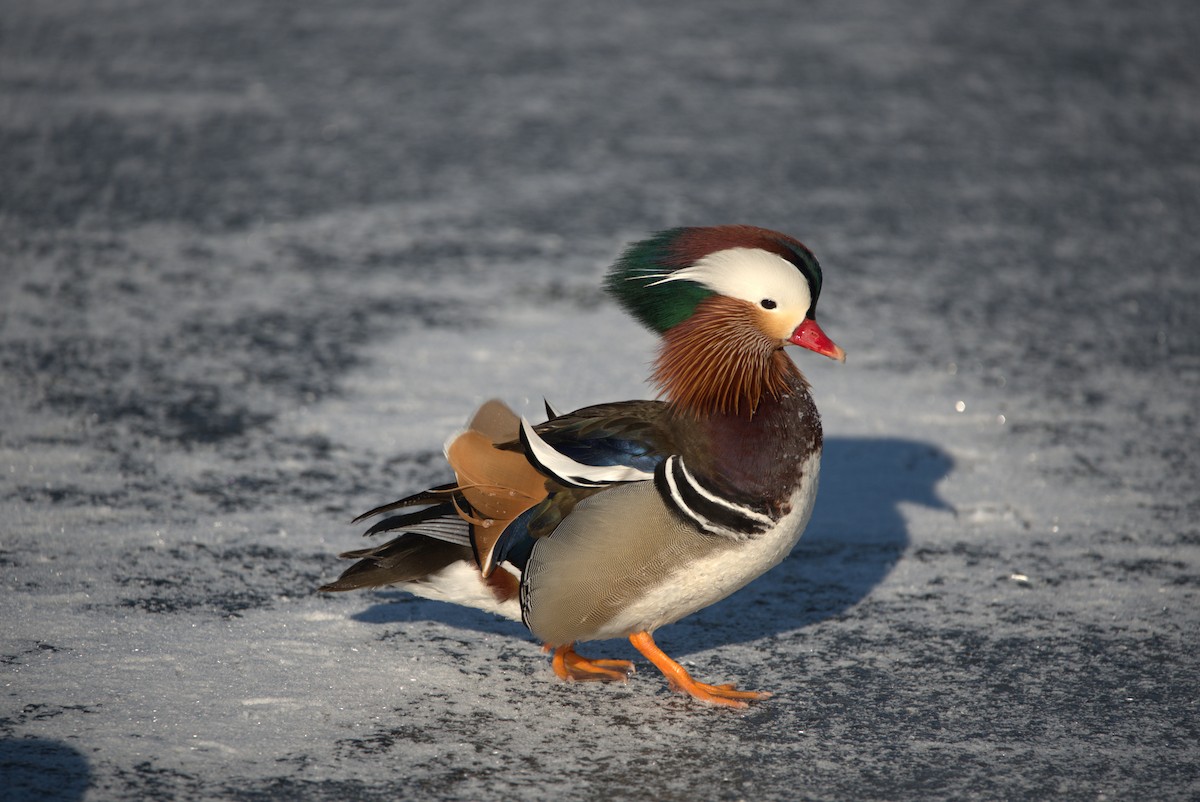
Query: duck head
{"points": [[726, 301]]}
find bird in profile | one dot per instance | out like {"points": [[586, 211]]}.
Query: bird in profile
{"points": [[617, 519]]}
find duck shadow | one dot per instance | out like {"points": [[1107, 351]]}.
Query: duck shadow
{"points": [[856, 536], [36, 768]]}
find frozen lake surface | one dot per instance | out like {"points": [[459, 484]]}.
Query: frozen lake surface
{"points": [[259, 259]]}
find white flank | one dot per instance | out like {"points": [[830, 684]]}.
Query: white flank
{"points": [[461, 583], [702, 582]]}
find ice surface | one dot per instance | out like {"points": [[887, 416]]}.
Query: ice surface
{"points": [[260, 260]]}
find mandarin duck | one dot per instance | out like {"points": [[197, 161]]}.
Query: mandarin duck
{"points": [[617, 519]]}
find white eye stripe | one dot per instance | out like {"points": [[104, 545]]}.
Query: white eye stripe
{"points": [[749, 274]]}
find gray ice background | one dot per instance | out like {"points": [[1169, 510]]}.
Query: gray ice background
{"points": [[258, 259]]}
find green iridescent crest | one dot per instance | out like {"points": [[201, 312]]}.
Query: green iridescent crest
{"points": [[636, 281], [642, 278]]}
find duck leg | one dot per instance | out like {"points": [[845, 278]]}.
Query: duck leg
{"points": [[680, 680], [571, 666]]}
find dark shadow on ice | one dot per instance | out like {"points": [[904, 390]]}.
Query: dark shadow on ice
{"points": [[856, 535], [397, 606], [33, 768]]}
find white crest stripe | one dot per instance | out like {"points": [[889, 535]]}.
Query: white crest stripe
{"points": [[681, 505], [701, 490]]}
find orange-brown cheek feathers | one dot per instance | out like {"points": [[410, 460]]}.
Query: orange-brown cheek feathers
{"points": [[722, 361]]}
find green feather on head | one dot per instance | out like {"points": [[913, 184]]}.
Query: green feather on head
{"points": [[636, 281], [641, 279]]}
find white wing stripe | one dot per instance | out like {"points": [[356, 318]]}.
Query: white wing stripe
{"points": [[573, 472]]}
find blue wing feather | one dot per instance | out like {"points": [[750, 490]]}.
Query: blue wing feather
{"points": [[606, 451], [516, 543], [633, 434]]}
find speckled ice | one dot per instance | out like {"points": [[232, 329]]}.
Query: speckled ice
{"points": [[258, 264]]}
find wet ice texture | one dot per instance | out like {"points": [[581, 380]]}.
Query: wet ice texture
{"points": [[259, 261]]}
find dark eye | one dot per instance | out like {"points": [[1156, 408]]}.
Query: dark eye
{"points": [[767, 303]]}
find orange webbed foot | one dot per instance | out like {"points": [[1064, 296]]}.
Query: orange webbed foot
{"points": [[678, 679], [569, 665]]}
